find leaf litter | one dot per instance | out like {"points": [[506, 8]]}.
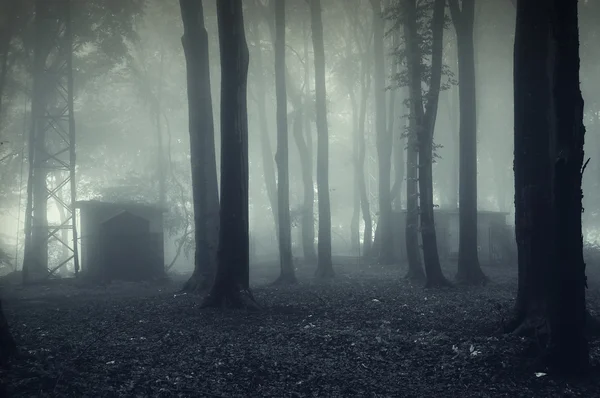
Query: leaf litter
{"points": [[367, 333]]}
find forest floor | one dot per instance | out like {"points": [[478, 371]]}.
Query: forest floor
{"points": [[367, 333]]}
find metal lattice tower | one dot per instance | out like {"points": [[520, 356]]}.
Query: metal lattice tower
{"points": [[51, 145]]}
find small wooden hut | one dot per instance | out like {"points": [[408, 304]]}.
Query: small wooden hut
{"points": [[121, 241]]}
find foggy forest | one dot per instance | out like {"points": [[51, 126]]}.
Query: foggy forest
{"points": [[299, 198]]}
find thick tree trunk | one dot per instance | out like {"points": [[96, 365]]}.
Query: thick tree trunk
{"points": [[325, 266], [205, 190], [385, 253], [8, 348], [232, 281], [283, 185], [568, 349], [469, 270], [425, 120], [531, 164]]}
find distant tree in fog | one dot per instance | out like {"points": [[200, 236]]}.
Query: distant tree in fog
{"points": [[324, 266], [423, 114], [282, 157], [463, 17]]}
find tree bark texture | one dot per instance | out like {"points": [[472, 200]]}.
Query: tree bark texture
{"points": [[469, 270], [324, 266], [205, 189], [232, 282]]}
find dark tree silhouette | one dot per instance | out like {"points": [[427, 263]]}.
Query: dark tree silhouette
{"points": [[385, 240], [281, 157], [549, 138], [469, 270], [232, 283], [205, 190], [324, 265], [424, 121]]}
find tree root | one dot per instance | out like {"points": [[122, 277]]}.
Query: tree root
{"points": [[472, 277], [415, 276], [324, 273], [231, 299], [285, 280], [438, 282], [197, 283]]}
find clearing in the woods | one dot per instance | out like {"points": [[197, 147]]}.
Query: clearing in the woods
{"points": [[369, 333]]}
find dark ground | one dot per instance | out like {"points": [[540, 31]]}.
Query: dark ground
{"points": [[369, 333]]}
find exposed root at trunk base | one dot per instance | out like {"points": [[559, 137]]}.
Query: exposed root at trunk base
{"points": [[285, 280], [197, 284], [472, 278], [415, 276], [231, 299], [438, 282], [324, 273]]}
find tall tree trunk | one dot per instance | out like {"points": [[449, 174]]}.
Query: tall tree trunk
{"points": [[265, 141], [413, 254], [160, 155], [454, 168], [324, 265], [281, 157], [205, 190], [354, 221], [469, 270], [398, 159], [568, 347], [384, 144], [425, 124], [531, 164], [35, 258], [296, 97], [411, 228], [308, 209], [362, 152], [232, 281]]}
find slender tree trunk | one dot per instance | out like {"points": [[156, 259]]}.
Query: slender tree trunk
{"points": [[325, 266], [265, 141], [308, 211], [281, 157], [425, 124], [35, 258], [362, 150], [205, 190], [232, 281], [469, 270], [160, 155], [384, 144], [354, 221], [398, 159]]}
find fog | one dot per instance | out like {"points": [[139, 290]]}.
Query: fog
{"points": [[131, 93]]}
